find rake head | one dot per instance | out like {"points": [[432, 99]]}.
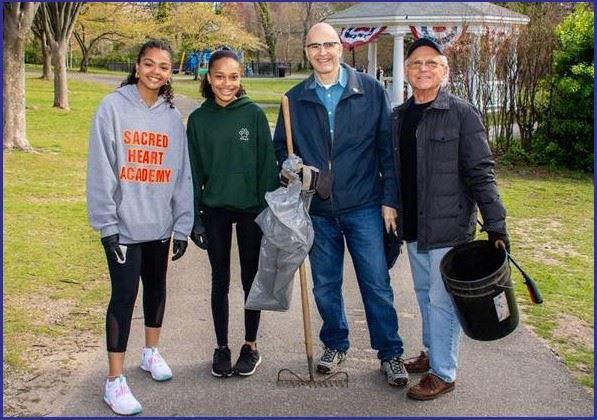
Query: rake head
{"points": [[286, 377]]}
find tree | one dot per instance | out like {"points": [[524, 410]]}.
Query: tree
{"points": [[534, 57], [264, 14], [39, 32], [566, 135], [162, 11], [59, 22], [307, 19], [17, 20], [196, 26], [109, 21]]}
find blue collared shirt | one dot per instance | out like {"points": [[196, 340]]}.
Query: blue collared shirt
{"points": [[331, 96]]}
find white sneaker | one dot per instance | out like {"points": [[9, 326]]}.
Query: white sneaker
{"points": [[152, 361], [119, 397], [330, 360]]}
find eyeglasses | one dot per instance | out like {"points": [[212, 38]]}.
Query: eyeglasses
{"points": [[315, 46], [418, 64]]}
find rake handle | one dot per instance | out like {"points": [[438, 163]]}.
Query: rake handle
{"points": [[306, 318], [287, 126], [302, 269]]}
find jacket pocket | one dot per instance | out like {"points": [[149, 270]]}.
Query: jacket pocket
{"points": [[444, 145]]}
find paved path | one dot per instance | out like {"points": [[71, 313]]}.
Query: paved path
{"points": [[515, 376]]}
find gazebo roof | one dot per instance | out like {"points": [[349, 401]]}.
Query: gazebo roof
{"points": [[425, 13]]}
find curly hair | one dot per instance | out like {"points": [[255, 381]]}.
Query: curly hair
{"points": [[132, 78], [206, 90]]}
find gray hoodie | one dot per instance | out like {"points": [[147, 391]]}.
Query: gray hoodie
{"points": [[138, 174]]}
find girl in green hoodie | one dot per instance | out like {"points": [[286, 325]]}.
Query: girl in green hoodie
{"points": [[233, 165]]}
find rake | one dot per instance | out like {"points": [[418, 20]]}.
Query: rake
{"points": [[287, 376]]}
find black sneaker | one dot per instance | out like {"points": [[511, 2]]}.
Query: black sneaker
{"points": [[247, 361], [222, 365]]}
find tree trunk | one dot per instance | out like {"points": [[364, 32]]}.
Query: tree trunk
{"points": [[17, 23], [58, 22], [13, 95], [308, 9], [60, 80], [84, 60], [263, 11], [47, 58]]}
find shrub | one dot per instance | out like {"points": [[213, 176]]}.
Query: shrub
{"points": [[565, 137]]}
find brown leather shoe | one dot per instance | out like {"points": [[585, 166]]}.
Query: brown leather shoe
{"points": [[430, 387], [419, 364]]}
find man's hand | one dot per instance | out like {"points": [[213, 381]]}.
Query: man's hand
{"points": [[390, 216], [499, 240], [286, 177], [199, 236], [112, 248], [313, 180], [179, 247]]}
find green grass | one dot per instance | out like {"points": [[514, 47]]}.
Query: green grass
{"points": [[53, 259], [32, 68], [263, 91], [271, 114], [550, 220]]}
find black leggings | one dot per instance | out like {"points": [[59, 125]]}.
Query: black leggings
{"points": [[148, 260], [218, 225]]}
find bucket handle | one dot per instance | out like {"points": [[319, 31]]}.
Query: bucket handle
{"points": [[531, 285]]}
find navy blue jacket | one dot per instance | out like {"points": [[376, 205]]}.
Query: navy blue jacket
{"points": [[359, 157]]}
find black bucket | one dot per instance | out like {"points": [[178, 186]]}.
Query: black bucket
{"points": [[477, 277]]}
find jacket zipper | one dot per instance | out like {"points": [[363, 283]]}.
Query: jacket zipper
{"points": [[425, 240], [330, 163]]}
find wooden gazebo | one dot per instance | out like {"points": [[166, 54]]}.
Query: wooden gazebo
{"points": [[399, 17]]}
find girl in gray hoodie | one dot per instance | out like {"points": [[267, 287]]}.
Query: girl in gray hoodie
{"points": [[139, 195]]}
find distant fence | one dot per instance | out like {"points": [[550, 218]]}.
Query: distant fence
{"points": [[278, 69], [120, 66], [252, 69]]}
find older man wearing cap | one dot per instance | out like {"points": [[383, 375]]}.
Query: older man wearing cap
{"points": [[446, 170]]}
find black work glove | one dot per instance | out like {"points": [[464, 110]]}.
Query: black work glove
{"points": [[493, 237], [199, 236], [112, 248], [313, 180], [179, 247]]}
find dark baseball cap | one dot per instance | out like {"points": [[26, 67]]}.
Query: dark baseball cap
{"points": [[425, 42]]}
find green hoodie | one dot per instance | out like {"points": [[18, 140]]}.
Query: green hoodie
{"points": [[232, 156]]}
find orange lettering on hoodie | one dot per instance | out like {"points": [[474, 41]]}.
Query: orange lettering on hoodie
{"points": [[145, 138]]}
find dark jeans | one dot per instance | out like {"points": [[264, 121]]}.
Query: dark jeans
{"points": [[148, 261], [218, 225], [362, 230]]}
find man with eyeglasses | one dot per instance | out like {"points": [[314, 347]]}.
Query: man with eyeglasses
{"points": [[341, 129], [446, 170]]}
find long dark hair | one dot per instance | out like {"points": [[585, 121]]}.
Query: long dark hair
{"points": [[132, 78], [206, 90]]}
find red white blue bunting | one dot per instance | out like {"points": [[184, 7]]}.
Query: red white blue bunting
{"points": [[354, 37], [444, 36]]}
